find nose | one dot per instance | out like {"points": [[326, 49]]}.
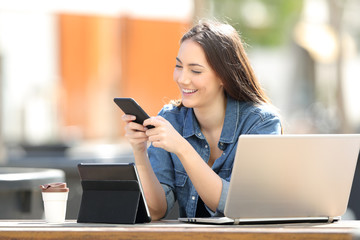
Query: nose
{"points": [[180, 76]]}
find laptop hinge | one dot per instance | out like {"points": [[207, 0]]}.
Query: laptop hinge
{"points": [[236, 221], [330, 219]]}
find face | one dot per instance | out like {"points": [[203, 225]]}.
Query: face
{"points": [[198, 83]]}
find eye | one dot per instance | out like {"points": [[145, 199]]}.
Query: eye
{"points": [[196, 72], [178, 66]]}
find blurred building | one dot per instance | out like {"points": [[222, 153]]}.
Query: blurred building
{"points": [[62, 63]]}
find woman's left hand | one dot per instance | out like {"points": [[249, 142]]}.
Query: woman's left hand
{"points": [[164, 135]]}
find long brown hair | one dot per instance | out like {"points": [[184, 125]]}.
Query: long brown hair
{"points": [[226, 55]]}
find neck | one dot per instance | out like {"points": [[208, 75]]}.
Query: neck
{"points": [[212, 116]]}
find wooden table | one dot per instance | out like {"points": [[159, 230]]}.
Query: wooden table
{"points": [[172, 229]]}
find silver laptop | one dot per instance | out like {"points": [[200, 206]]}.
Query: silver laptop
{"points": [[289, 178]]}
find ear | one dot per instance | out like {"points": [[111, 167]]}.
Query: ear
{"points": [[221, 82]]}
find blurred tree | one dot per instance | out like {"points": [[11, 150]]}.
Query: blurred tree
{"points": [[263, 22], [336, 20]]}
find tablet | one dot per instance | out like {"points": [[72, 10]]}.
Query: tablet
{"points": [[114, 179]]}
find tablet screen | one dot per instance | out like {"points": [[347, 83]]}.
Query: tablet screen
{"points": [[111, 171]]}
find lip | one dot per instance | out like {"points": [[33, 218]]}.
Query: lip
{"points": [[188, 91]]}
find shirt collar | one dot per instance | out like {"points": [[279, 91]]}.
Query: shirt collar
{"points": [[191, 125], [231, 122]]}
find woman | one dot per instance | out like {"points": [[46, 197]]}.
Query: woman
{"points": [[193, 143]]}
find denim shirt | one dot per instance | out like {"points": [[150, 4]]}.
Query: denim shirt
{"points": [[240, 118]]}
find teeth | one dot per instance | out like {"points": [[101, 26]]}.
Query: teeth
{"points": [[189, 91]]}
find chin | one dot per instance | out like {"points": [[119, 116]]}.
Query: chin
{"points": [[187, 103]]}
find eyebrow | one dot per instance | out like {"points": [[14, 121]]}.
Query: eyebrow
{"points": [[190, 64]]}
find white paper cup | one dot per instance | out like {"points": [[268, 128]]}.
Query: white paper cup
{"points": [[55, 206]]}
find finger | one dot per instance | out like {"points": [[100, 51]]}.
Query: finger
{"points": [[151, 131], [154, 121], [137, 138], [148, 122], [133, 126], [157, 144], [154, 138], [136, 134], [128, 118]]}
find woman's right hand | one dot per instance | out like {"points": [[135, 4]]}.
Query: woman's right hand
{"points": [[135, 133]]}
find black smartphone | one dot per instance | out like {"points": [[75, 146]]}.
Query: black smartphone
{"points": [[131, 107]]}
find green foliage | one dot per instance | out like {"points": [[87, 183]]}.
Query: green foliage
{"points": [[260, 22]]}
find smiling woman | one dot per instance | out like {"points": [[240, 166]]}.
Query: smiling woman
{"points": [[193, 143]]}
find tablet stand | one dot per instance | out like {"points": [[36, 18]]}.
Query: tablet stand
{"points": [[112, 201]]}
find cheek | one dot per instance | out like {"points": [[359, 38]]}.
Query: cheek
{"points": [[202, 82]]}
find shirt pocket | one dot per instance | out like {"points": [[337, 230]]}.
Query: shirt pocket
{"points": [[180, 178]]}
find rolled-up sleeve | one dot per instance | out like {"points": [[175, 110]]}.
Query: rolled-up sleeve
{"points": [[170, 198], [224, 192]]}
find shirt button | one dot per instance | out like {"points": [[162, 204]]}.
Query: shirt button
{"points": [[221, 144], [193, 197], [206, 146], [224, 154], [199, 134]]}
